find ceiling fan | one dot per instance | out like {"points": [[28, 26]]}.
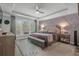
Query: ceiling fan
{"points": [[38, 10]]}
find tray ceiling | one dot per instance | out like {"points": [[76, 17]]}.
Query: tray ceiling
{"points": [[28, 9]]}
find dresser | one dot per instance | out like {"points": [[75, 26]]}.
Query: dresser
{"points": [[7, 44]]}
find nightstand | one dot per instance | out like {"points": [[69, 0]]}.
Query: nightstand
{"points": [[65, 38]]}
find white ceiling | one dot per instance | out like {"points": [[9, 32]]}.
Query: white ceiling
{"points": [[28, 9], [6, 6]]}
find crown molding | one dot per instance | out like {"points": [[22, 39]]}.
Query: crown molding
{"points": [[33, 17], [16, 12], [54, 13]]}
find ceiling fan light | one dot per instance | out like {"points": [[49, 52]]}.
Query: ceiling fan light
{"points": [[37, 12]]}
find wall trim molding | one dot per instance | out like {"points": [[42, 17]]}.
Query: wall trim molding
{"points": [[16, 12], [55, 12], [20, 15]]}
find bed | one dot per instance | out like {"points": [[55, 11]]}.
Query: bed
{"points": [[44, 36], [47, 38]]}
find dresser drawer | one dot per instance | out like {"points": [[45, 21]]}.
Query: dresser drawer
{"points": [[7, 46]]}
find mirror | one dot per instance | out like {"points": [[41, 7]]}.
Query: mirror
{"points": [[6, 22]]}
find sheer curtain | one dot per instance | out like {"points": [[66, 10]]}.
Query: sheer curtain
{"points": [[24, 27]]}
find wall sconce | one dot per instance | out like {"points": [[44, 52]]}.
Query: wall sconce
{"points": [[42, 26]]}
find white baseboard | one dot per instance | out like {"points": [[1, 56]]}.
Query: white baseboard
{"points": [[21, 38]]}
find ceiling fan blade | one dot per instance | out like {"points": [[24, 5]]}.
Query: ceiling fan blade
{"points": [[38, 9], [41, 11]]}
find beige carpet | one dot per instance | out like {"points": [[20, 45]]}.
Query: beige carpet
{"points": [[57, 49]]}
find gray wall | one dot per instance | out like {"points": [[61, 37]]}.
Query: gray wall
{"points": [[6, 28], [72, 20], [4, 16]]}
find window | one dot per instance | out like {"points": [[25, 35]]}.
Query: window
{"points": [[24, 26]]}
